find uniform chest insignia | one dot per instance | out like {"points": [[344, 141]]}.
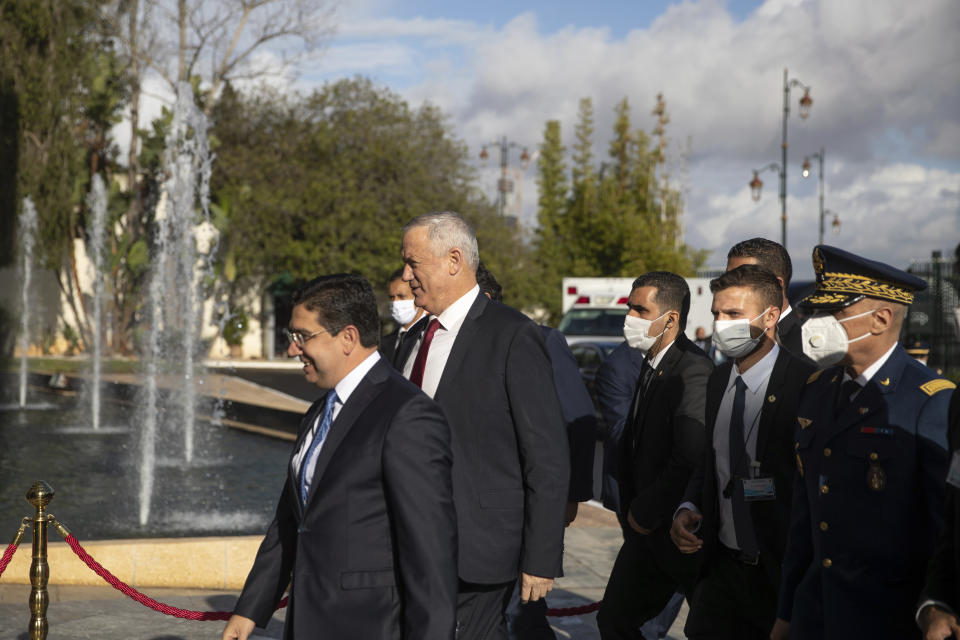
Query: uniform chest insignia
{"points": [[834, 379], [935, 386], [799, 465], [876, 478], [804, 422], [863, 410], [814, 376], [885, 382], [771, 398]]}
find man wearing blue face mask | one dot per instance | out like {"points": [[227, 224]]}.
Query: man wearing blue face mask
{"points": [[738, 500], [410, 319], [871, 454], [661, 445]]}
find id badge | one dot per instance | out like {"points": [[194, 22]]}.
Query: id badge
{"points": [[759, 489], [953, 476]]}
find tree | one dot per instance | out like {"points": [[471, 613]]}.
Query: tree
{"points": [[324, 183], [62, 90]]}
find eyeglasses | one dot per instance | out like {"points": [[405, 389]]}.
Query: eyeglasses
{"points": [[298, 338]]}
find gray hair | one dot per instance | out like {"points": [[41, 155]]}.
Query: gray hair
{"points": [[447, 230]]}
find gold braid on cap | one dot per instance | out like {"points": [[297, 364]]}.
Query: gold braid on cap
{"points": [[860, 285]]}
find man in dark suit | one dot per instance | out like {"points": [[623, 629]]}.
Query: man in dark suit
{"points": [[411, 322], [871, 455], [487, 367], [529, 621], [741, 492], [939, 611], [365, 529], [773, 257], [661, 446]]}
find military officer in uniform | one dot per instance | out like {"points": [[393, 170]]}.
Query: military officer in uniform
{"points": [[871, 454]]}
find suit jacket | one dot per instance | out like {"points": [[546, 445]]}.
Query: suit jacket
{"points": [[867, 503], [778, 420], [578, 414], [372, 555], [665, 438], [791, 336], [943, 574], [512, 463], [398, 356], [616, 384]]}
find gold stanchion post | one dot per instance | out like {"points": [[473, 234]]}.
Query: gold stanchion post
{"points": [[39, 495]]}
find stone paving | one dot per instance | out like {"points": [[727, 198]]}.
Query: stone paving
{"points": [[101, 613]]}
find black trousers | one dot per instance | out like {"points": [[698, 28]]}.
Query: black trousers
{"points": [[647, 572], [732, 601], [480, 610]]}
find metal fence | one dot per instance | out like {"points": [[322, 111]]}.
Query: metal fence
{"points": [[935, 314]]}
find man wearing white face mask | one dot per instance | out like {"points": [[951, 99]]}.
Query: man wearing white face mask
{"points": [[661, 445], [871, 456], [741, 493], [411, 322]]}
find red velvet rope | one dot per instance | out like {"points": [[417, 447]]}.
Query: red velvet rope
{"points": [[166, 609], [147, 601], [7, 556]]}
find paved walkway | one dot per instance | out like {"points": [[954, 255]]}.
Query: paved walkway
{"points": [[101, 613]]}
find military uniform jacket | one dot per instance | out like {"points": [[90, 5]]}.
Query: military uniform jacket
{"points": [[867, 504]]}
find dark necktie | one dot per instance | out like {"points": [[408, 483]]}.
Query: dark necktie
{"points": [[739, 464], [847, 389], [325, 421], [416, 374], [646, 377]]}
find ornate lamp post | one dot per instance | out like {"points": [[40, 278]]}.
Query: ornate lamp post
{"points": [[505, 184], [805, 172], [805, 103], [756, 185]]}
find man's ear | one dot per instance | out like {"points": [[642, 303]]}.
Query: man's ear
{"points": [[774, 312], [455, 257], [349, 339], [882, 320]]}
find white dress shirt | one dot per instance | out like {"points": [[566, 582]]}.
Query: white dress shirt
{"points": [[870, 371], [450, 322], [756, 378], [344, 388]]}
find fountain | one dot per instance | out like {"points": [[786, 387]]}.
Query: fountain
{"points": [[174, 298], [28, 233], [97, 202]]}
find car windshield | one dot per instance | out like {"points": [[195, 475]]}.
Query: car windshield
{"points": [[593, 322]]}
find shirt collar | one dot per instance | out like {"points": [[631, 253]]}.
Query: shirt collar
{"points": [[871, 371], [454, 315], [659, 357], [756, 375], [348, 384], [785, 312]]}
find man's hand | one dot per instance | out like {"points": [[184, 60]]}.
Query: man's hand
{"points": [[681, 531], [532, 588], [571, 515], [636, 527], [937, 624], [238, 628], [781, 630]]}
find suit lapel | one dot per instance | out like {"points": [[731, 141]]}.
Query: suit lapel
{"points": [[407, 340], [770, 403], [718, 385], [345, 421], [461, 345], [670, 359]]}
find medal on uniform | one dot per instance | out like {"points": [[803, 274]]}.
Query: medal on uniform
{"points": [[876, 478]]}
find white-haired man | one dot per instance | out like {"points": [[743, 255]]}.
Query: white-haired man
{"points": [[487, 367]]}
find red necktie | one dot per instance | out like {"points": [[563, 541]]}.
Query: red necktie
{"points": [[416, 374]]}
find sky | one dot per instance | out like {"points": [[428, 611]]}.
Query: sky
{"points": [[884, 76]]}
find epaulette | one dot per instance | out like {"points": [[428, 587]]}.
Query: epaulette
{"points": [[813, 376], [935, 386]]}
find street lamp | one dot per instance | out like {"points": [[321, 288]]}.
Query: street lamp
{"points": [[756, 185], [835, 224], [805, 172], [505, 184], [805, 103]]}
